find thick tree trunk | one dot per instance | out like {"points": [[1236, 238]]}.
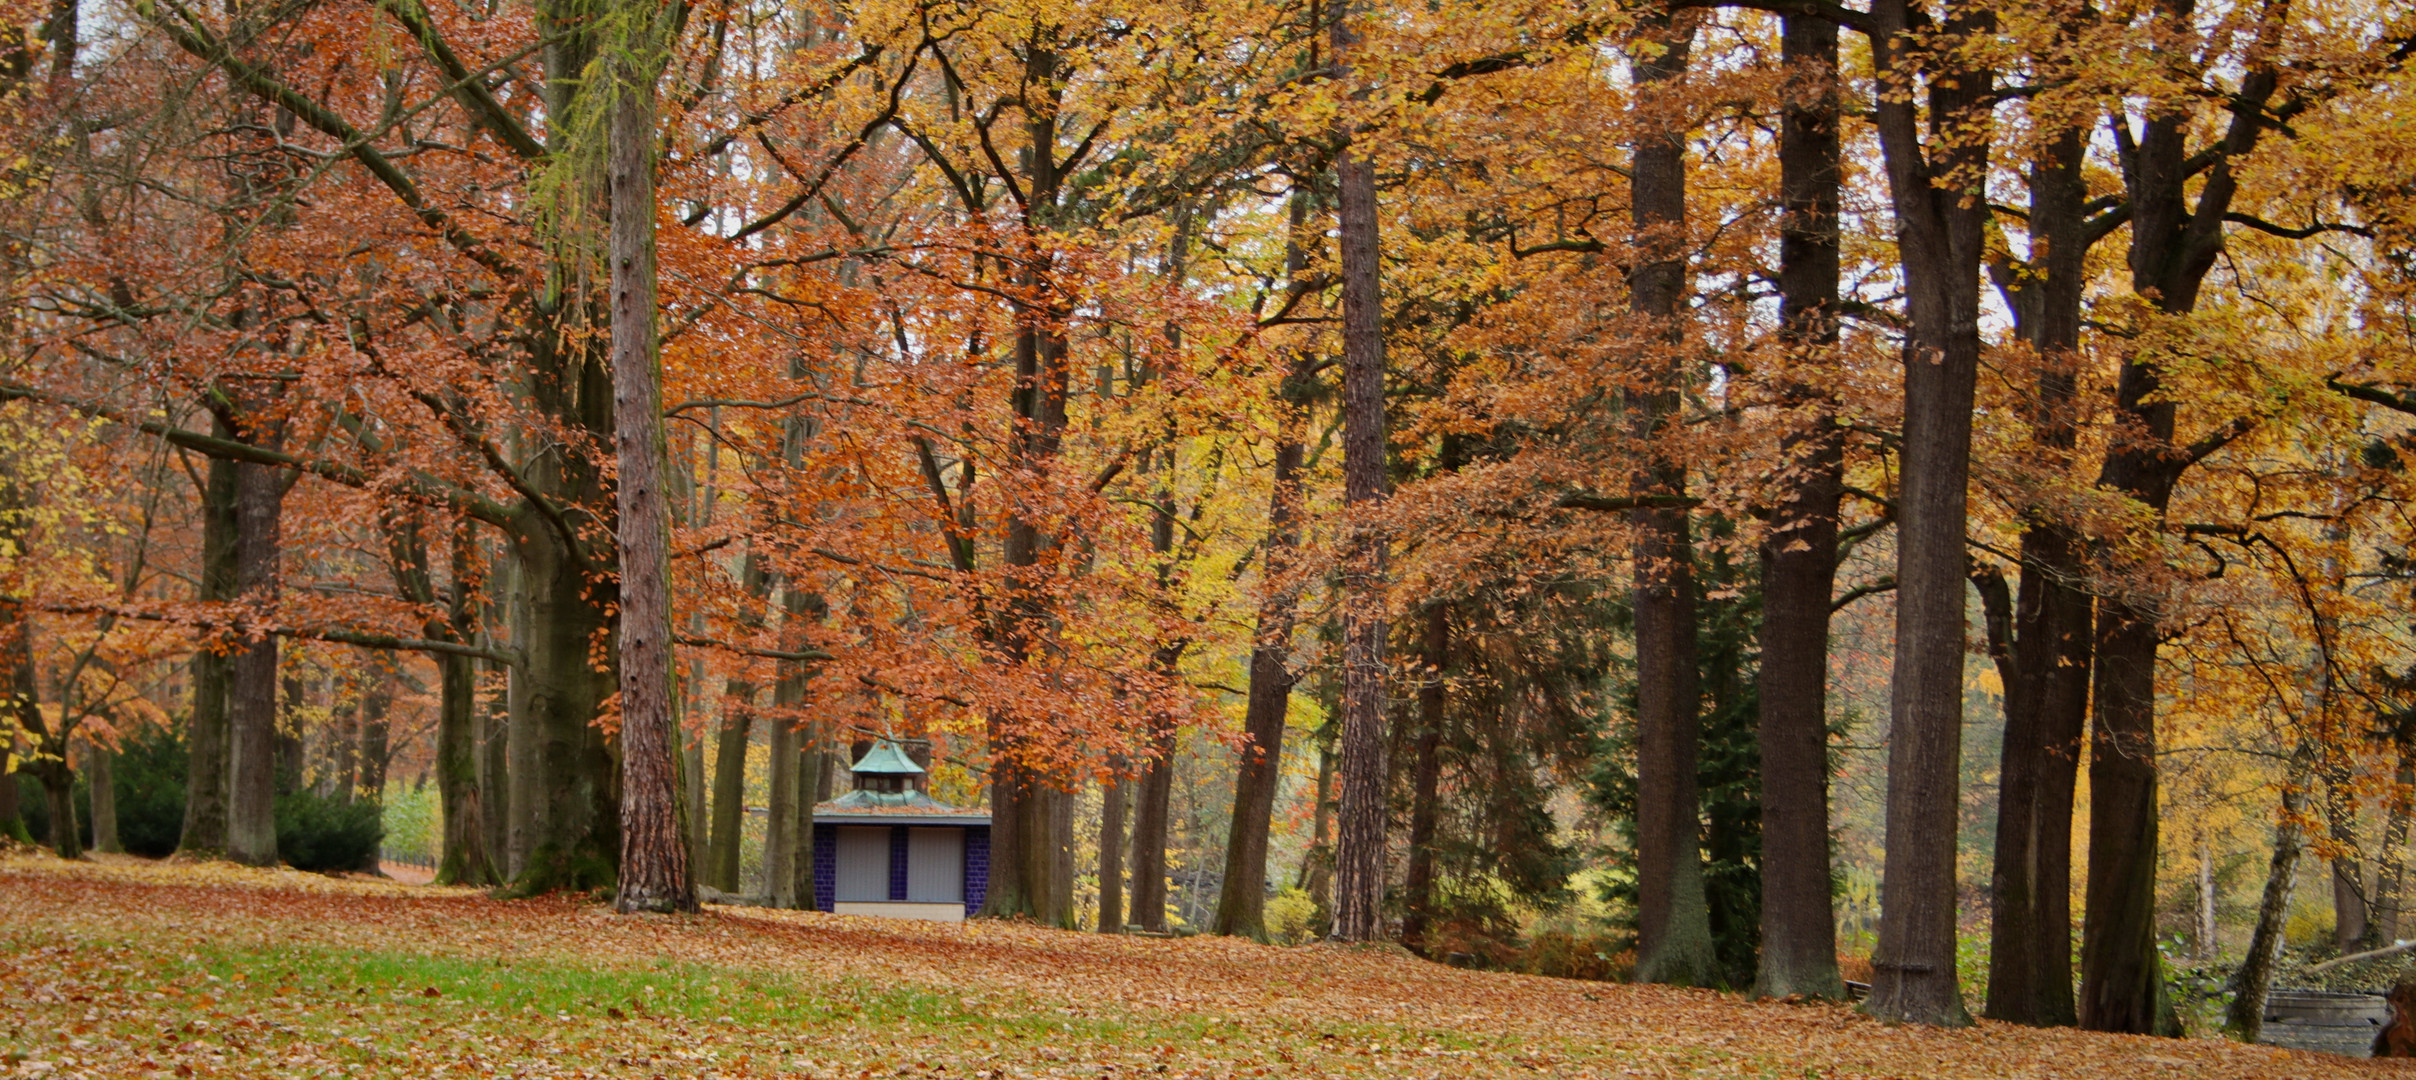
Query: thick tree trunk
{"points": [[373, 754], [1032, 819], [2046, 667], [1360, 820], [1112, 795], [97, 773], [58, 791], [2122, 986], [252, 672], [1939, 237], [571, 835], [654, 871], [1150, 815], [204, 835], [1426, 775], [1673, 920], [1799, 558], [466, 860], [2244, 1018]]}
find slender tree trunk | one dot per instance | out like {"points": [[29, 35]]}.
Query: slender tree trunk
{"points": [[1317, 867], [2244, 1018], [789, 834], [1940, 242], [1426, 779], [204, 835], [2046, 660], [1359, 843], [252, 672], [693, 786], [1799, 559], [1111, 855], [12, 814], [730, 753], [495, 724], [654, 871], [2209, 932], [2390, 878], [2352, 929], [97, 770], [1673, 920], [20, 704], [1259, 773]]}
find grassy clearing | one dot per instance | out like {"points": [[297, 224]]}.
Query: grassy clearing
{"points": [[128, 969]]}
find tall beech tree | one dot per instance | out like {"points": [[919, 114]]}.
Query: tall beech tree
{"points": [[1673, 927], [1799, 557]]}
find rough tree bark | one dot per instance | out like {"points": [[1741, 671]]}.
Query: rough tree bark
{"points": [[1418, 881], [1939, 236], [1359, 820], [1673, 920], [1799, 559], [654, 871]]}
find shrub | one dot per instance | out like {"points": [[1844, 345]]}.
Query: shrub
{"points": [[150, 784], [325, 834], [1291, 917]]}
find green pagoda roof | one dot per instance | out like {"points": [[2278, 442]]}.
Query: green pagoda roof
{"points": [[886, 759]]}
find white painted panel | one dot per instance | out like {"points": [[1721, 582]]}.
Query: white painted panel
{"points": [[863, 863], [935, 865]]}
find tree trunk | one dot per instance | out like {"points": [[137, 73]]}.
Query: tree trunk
{"points": [[1939, 236], [252, 672], [780, 760], [2390, 878], [2046, 663], [1360, 820], [1111, 854], [12, 814], [374, 754], [654, 871], [1259, 774], [2122, 985], [2208, 932], [2351, 928], [730, 752], [204, 835], [1032, 819], [789, 832], [2244, 1018], [467, 859], [1673, 920], [1317, 866], [1149, 833], [1799, 558], [20, 703], [104, 799], [693, 786], [58, 790], [1417, 886], [495, 722]]}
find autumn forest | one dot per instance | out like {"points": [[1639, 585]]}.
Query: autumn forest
{"points": [[1907, 503]]}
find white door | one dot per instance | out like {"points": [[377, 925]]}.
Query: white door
{"points": [[935, 866], [863, 863]]}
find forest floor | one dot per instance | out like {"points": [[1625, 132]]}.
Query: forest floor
{"points": [[126, 968]]}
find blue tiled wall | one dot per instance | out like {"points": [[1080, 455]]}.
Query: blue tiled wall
{"points": [[977, 867], [826, 866], [897, 862]]}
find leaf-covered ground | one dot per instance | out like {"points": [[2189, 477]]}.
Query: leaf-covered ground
{"points": [[131, 969]]}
